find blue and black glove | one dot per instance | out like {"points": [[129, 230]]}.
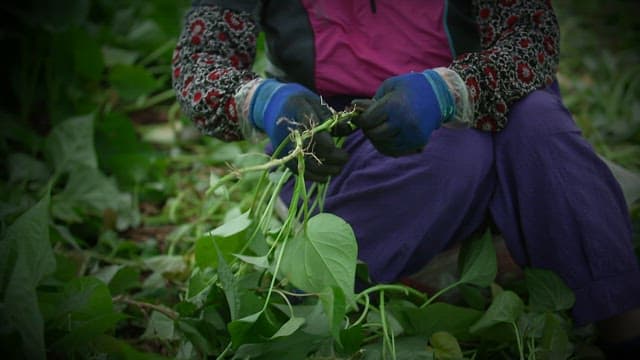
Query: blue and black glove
{"points": [[277, 108], [405, 111]]}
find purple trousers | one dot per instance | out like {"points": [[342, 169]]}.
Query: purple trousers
{"points": [[555, 202]]}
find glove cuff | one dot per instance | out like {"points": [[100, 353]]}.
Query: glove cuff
{"points": [[463, 117], [267, 101], [243, 98], [443, 95], [261, 98]]}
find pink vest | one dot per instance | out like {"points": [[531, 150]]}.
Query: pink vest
{"points": [[348, 47], [356, 49]]}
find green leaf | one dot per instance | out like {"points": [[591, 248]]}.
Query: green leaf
{"points": [[316, 322], [473, 296], [207, 247], [227, 239], [121, 152], [629, 181], [167, 13], [229, 286], [87, 56], [25, 259], [323, 256], [19, 132], [407, 348], [71, 144], [443, 317], [59, 15], [299, 345], [131, 82], [446, 346], [88, 192], [335, 306], [116, 56], [23, 167], [232, 227], [202, 331], [505, 308], [351, 339], [106, 273], [226, 152], [260, 262], [145, 34], [85, 332], [120, 349], [289, 327], [62, 234], [185, 308], [205, 252], [125, 279], [240, 330], [66, 268], [84, 312], [555, 341], [166, 264], [393, 324], [531, 324], [199, 284], [161, 134], [160, 327], [203, 337], [211, 316], [477, 259], [547, 291], [399, 308], [85, 298]]}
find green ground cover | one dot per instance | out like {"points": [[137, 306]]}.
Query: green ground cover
{"points": [[124, 236]]}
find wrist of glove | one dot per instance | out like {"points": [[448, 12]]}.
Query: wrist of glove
{"points": [[278, 108], [405, 111]]}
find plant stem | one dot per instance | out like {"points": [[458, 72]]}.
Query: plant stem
{"points": [[532, 348], [262, 167], [155, 54], [152, 101], [259, 195], [299, 140], [297, 294], [224, 352], [268, 210], [391, 287], [365, 311], [159, 308], [286, 299], [302, 188], [520, 346], [113, 260], [284, 232], [439, 293], [315, 192], [388, 343]]}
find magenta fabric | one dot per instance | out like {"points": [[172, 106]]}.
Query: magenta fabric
{"points": [[400, 37]]}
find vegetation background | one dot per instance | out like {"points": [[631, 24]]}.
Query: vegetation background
{"points": [[105, 204]]}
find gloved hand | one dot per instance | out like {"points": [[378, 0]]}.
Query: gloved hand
{"points": [[405, 110], [277, 108]]}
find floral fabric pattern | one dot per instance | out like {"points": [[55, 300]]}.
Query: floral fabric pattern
{"points": [[212, 63], [521, 52]]}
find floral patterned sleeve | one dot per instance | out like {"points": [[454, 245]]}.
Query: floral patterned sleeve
{"points": [[211, 62], [520, 40]]}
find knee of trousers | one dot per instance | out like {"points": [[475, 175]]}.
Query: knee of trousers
{"points": [[460, 153], [538, 115]]}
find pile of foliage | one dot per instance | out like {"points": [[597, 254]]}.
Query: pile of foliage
{"points": [[126, 234]]}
